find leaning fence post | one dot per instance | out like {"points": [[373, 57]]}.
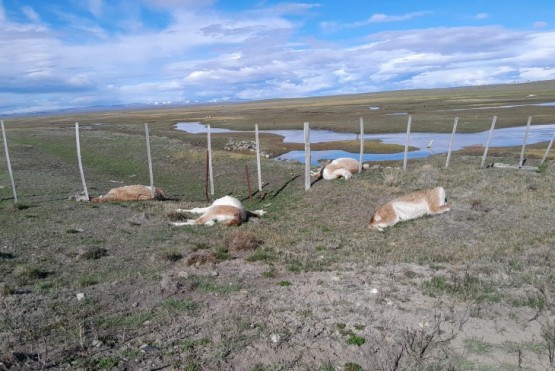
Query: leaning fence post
{"points": [[247, 175], [210, 171], [487, 143], [8, 160], [451, 142], [361, 145], [407, 144], [152, 191], [307, 161], [79, 160], [548, 149], [258, 168], [521, 162]]}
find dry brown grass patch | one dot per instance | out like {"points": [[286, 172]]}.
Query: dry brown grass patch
{"points": [[205, 257], [241, 241], [392, 176]]}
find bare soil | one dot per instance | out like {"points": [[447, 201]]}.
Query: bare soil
{"points": [[306, 287]]}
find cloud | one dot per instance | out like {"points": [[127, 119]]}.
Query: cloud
{"points": [[178, 4], [481, 16], [30, 14], [381, 18], [537, 73], [197, 53], [333, 26], [95, 7]]}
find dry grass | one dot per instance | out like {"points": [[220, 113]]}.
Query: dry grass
{"points": [[491, 255]]}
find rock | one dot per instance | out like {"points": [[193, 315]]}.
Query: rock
{"points": [[145, 348]]}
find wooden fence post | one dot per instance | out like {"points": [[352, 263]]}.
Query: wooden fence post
{"points": [[361, 145], [548, 149], [8, 161], [210, 171], [451, 142], [521, 162], [150, 173], [307, 160], [258, 168], [247, 175], [405, 157], [79, 160], [206, 178], [487, 143]]}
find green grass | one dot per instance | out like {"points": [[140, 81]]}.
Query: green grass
{"points": [[537, 301], [467, 287], [205, 284], [477, 346], [187, 306], [127, 320], [355, 340], [493, 245], [262, 255]]}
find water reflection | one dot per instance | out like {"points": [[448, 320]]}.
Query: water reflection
{"points": [[505, 137]]}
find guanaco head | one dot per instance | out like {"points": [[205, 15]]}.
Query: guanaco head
{"points": [[318, 173]]}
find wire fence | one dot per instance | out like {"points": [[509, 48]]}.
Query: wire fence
{"points": [[209, 177]]}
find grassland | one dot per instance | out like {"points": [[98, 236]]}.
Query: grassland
{"points": [[306, 287]]}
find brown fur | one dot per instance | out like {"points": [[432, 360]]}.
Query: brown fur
{"points": [[130, 193], [237, 218], [410, 206], [227, 210], [340, 168]]}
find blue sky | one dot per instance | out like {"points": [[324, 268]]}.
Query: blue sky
{"points": [[74, 53]]}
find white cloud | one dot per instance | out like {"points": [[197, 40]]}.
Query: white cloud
{"points": [[30, 14], [332, 26], [95, 7], [481, 16], [537, 73], [203, 54], [380, 18]]}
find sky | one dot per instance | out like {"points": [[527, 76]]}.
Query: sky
{"points": [[78, 53]]}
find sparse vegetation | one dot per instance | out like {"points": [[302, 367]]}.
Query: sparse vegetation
{"points": [[94, 253], [307, 286]]}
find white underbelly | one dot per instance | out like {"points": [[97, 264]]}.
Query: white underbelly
{"points": [[410, 210]]}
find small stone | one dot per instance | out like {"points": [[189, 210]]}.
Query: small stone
{"points": [[96, 343], [275, 338], [80, 296], [145, 348]]}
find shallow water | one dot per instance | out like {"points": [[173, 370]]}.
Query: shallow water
{"points": [[506, 137]]}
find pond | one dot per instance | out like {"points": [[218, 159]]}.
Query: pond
{"points": [[427, 144]]}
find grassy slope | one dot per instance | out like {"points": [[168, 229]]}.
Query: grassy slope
{"points": [[493, 252]]}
